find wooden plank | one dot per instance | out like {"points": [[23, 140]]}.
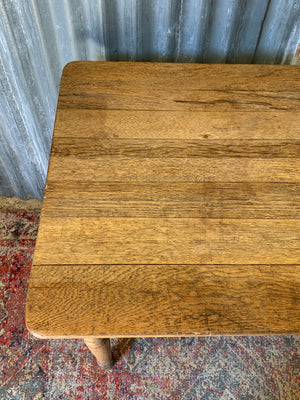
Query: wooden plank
{"points": [[172, 203], [167, 240], [163, 300], [134, 124], [175, 200], [176, 148], [142, 77], [173, 100], [190, 87], [130, 169]]}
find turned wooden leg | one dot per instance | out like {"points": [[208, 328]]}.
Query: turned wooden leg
{"points": [[102, 351]]}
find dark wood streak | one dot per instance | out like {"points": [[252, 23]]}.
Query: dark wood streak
{"points": [[234, 103], [148, 148], [201, 101]]}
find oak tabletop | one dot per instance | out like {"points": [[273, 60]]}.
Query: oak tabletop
{"points": [[171, 205]]}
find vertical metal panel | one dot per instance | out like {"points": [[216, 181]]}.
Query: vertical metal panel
{"points": [[191, 32], [38, 37], [233, 30], [280, 33]]}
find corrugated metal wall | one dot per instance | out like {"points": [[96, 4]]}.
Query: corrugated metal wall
{"points": [[38, 37]]}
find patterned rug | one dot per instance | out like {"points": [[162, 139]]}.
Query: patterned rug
{"points": [[223, 368]]}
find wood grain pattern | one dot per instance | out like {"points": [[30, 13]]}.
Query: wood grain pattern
{"points": [[133, 124], [204, 101], [191, 299], [172, 199], [146, 77], [203, 87], [180, 148], [167, 241], [129, 169], [172, 203]]}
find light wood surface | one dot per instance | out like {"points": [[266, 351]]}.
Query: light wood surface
{"points": [[164, 300], [172, 203], [167, 241], [101, 349]]}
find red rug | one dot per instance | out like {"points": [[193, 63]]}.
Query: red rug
{"points": [[223, 368]]}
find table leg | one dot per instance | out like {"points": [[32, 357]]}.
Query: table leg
{"points": [[102, 351]]}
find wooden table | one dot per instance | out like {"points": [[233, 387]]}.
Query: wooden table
{"points": [[172, 204]]}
